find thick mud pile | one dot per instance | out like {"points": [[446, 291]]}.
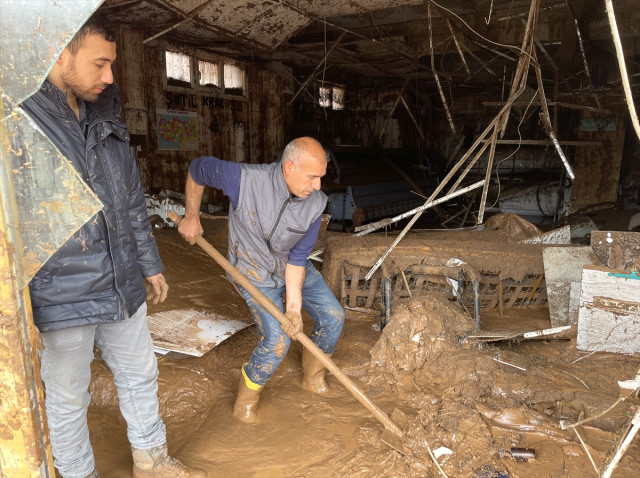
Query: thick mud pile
{"points": [[465, 403]]}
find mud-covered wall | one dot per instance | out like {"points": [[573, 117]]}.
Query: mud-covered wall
{"points": [[229, 127]]}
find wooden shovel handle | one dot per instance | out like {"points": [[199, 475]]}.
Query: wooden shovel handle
{"points": [[300, 337]]}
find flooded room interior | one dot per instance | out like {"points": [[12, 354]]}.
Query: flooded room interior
{"points": [[476, 219]]}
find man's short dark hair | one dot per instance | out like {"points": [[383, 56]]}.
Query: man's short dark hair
{"points": [[95, 25]]}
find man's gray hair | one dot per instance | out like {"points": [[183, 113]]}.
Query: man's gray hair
{"points": [[295, 151]]}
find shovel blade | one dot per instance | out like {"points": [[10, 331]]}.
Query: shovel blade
{"points": [[394, 441]]}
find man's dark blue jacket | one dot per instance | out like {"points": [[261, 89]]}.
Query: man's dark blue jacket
{"points": [[98, 274]]}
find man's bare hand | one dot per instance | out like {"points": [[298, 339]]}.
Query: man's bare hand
{"points": [[157, 288], [294, 325], [190, 228]]}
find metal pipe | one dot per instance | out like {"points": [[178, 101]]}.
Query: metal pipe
{"points": [[362, 230]]}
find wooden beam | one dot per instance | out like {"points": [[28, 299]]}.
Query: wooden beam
{"points": [[435, 73], [550, 103], [522, 70], [622, 65], [546, 119], [583, 54], [487, 177], [415, 123], [547, 142], [324, 59], [393, 108], [455, 41]]}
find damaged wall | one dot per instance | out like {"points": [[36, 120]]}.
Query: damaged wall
{"points": [[249, 127]]}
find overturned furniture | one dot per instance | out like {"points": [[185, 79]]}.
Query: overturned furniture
{"points": [[507, 275]]}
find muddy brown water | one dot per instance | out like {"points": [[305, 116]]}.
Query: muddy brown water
{"points": [[452, 398]]}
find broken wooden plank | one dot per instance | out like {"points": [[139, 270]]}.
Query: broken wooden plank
{"points": [[455, 41], [601, 326], [570, 106], [324, 59], [542, 334], [415, 123], [563, 275], [487, 177], [435, 73], [547, 142], [546, 119], [520, 77], [366, 229], [623, 68], [393, 108], [583, 54]]}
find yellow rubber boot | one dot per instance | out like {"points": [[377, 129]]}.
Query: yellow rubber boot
{"points": [[245, 408], [156, 463]]}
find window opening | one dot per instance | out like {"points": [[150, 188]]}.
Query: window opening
{"points": [[178, 67], [337, 99], [209, 73], [331, 97], [324, 97], [234, 77]]}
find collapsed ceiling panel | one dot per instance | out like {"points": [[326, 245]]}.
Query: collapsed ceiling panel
{"points": [[268, 23], [332, 8], [146, 14], [474, 43]]}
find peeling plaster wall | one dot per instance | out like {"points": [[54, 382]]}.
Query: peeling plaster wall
{"points": [[261, 115]]}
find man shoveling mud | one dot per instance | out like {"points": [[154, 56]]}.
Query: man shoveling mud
{"points": [[92, 290], [274, 219]]}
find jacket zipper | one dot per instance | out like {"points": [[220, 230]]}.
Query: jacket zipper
{"points": [[273, 229], [275, 225], [112, 253]]}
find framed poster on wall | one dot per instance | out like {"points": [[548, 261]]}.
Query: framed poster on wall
{"points": [[177, 130]]}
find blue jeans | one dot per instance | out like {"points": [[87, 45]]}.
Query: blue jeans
{"points": [[127, 348], [317, 300]]}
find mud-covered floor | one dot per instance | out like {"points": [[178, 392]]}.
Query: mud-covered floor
{"points": [[457, 400]]}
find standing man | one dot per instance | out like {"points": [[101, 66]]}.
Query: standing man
{"points": [[92, 289], [274, 219]]}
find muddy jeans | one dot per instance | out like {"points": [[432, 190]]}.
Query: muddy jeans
{"points": [[127, 349], [317, 300]]}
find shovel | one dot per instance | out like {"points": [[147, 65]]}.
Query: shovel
{"points": [[392, 435]]}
